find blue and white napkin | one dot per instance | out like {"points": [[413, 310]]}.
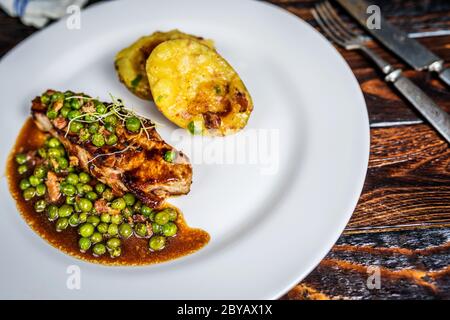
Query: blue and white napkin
{"points": [[38, 13]]}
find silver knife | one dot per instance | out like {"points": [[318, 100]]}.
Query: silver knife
{"points": [[415, 54]]}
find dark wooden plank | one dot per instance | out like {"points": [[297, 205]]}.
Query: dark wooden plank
{"points": [[412, 265], [408, 181]]}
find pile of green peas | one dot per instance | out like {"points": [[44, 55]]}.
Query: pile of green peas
{"points": [[97, 125], [100, 232]]}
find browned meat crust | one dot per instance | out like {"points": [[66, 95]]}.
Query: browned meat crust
{"points": [[135, 164]]}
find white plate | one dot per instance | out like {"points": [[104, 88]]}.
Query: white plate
{"points": [[268, 230]]}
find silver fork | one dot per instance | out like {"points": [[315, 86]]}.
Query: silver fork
{"points": [[340, 33]]}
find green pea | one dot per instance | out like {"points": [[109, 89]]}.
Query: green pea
{"points": [[76, 207], [45, 99], [61, 224], [68, 189], [99, 249], [74, 220], [162, 217], [169, 156], [21, 158], [152, 216], [116, 252], [113, 229], [116, 219], [118, 204], [96, 237], [98, 140], [90, 118], [54, 153], [29, 193], [35, 180], [101, 108], [157, 228], [75, 104], [40, 205], [76, 126], [130, 199], [145, 210], [83, 217], [24, 184], [53, 143], [22, 169], [74, 114], [93, 127], [91, 195], [169, 229], [64, 111], [85, 205], [172, 214], [110, 127], [140, 229], [125, 230], [84, 244], [111, 139], [42, 152], [111, 119], [41, 189], [102, 227], [52, 212], [105, 217], [137, 206], [127, 212], [133, 124], [84, 135], [40, 172], [57, 96], [195, 127], [157, 243], [108, 195], [72, 178], [63, 163], [113, 243], [100, 187], [71, 200], [86, 230], [94, 220], [52, 113], [65, 211], [84, 177]]}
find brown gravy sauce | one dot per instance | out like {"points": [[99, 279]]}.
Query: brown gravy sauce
{"points": [[135, 251]]}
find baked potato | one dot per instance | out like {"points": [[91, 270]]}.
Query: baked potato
{"points": [[195, 88], [130, 62]]}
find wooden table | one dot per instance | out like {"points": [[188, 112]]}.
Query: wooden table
{"points": [[401, 226]]}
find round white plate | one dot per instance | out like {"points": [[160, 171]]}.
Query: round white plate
{"points": [[272, 216]]}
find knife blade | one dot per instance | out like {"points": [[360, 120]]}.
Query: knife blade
{"points": [[411, 51]]}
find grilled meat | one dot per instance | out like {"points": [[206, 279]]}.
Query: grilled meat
{"points": [[139, 161]]}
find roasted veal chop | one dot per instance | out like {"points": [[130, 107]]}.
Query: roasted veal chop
{"points": [[139, 162]]}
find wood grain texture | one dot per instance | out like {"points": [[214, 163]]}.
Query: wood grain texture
{"points": [[412, 265], [401, 223]]}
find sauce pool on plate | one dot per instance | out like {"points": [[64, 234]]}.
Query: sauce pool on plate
{"points": [[134, 250]]}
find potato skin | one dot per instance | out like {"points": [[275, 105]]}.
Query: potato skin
{"points": [[130, 62], [195, 88]]}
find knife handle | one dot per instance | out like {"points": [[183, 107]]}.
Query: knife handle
{"points": [[445, 76], [438, 118]]}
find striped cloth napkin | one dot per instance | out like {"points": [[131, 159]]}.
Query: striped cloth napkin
{"points": [[38, 13]]}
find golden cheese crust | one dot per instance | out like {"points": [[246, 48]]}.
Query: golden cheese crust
{"points": [[195, 88]]}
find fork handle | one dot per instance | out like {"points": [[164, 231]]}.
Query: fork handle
{"points": [[437, 117]]}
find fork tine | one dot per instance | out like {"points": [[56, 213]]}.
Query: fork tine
{"points": [[326, 28], [339, 20], [327, 17]]}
